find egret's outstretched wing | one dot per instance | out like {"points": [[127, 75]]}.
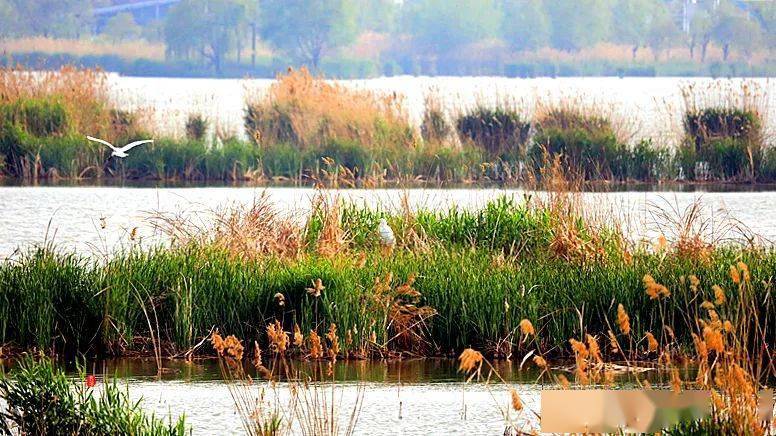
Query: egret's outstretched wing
{"points": [[102, 142], [127, 147]]}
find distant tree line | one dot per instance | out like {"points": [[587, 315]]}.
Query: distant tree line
{"points": [[309, 31]]}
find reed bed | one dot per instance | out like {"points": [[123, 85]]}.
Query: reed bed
{"points": [[538, 280], [729, 356], [454, 280], [309, 130], [726, 133], [307, 112], [138, 49]]}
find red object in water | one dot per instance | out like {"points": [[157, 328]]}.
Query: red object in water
{"points": [[91, 381]]}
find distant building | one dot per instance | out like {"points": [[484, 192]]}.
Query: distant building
{"points": [[144, 11]]}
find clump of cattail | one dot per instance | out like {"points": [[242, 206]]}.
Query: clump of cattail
{"points": [[333, 342], [719, 295], [278, 339], [655, 290], [613, 342], [298, 338], [676, 381], [714, 339], [700, 347], [623, 320], [694, 282], [469, 360], [581, 354], [594, 349], [744, 271], [316, 348], [735, 276], [229, 348], [257, 363], [527, 328], [652, 344]]}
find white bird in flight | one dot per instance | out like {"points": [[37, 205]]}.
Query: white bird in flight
{"points": [[387, 238], [120, 152]]}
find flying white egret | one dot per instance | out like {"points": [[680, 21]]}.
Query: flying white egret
{"points": [[387, 238], [120, 152]]}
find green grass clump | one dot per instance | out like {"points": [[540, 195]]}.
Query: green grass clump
{"points": [[587, 143], [728, 140], [479, 296], [706, 426], [36, 116], [435, 128], [41, 399], [717, 122], [501, 131], [196, 127]]}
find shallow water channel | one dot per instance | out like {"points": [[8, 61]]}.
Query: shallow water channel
{"points": [[410, 397]]}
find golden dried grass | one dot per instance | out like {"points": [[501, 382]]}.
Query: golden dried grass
{"points": [[309, 111], [82, 92], [131, 50], [244, 232]]}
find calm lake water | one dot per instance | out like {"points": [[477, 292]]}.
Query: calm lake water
{"points": [[642, 107], [71, 217], [411, 397]]}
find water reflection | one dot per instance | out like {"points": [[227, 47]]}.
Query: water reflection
{"points": [[405, 371]]}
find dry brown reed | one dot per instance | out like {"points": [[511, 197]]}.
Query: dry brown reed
{"points": [[405, 321], [720, 109], [694, 232], [312, 407], [137, 49], [244, 232], [436, 128], [308, 111], [333, 239], [82, 92], [577, 229], [743, 94]]}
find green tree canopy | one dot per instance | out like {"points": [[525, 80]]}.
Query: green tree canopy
{"points": [[663, 31], [377, 15], [525, 25], [632, 21], [206, 28], [579, 23], [306, 29], [53, 18], [441, 25], [766, 13], [734, 29], [122, 27], [8, 19]]}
